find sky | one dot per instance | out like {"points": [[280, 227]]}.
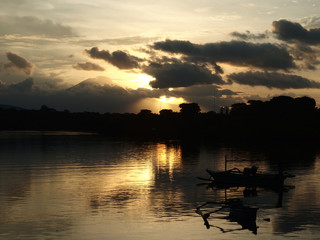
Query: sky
{"points": [[124, 56]]}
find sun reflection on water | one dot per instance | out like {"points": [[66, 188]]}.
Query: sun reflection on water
{"points": [[168, 159], [132, 183]]}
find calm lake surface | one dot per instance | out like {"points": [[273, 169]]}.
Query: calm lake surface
{"points": [[57, 185]]}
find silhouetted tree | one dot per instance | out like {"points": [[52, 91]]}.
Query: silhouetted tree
{"points": [[166, 112], [238, 108], [224, 110], [47, 109], [305, 104], [281, 105], [145, 112], [189, 109]]}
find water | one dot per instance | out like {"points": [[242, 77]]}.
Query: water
{"points": [[56, 185]]}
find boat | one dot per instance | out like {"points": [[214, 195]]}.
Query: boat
{"points": [[249, 177]]}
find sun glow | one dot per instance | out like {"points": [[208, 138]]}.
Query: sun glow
{"points": [[169, 102], [142, 80], [166, 100]]}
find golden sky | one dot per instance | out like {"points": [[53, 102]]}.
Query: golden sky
{"points": [[122, 56]]}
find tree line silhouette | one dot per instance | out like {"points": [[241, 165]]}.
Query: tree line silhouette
{"points": [[281, 118]]}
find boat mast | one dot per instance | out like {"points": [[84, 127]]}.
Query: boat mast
{"points": [[225, 162]]}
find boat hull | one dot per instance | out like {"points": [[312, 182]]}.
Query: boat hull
{"points": [[230, 178]]}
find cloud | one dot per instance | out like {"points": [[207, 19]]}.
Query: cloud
{"points": [[120, 59], [248, 35], [178, 46], [179, 74], [94, 95], [18, 63], [272, 80], [88, 66], [290, 31], [238, 53], [24, 86], [33, 26], [306, 54], [209, 97], [203, 91], [101, 95], [117, 41], [311, 22]]}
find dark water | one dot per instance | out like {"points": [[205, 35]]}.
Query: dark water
{"points": [[72, 186]]}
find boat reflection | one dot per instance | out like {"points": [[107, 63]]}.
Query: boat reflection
{"points": [[232, 210]]}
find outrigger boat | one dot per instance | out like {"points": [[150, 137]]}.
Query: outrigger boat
{"points": [[249, 177]]}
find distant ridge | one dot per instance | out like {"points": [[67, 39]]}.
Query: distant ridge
{"points": [[85, 85], [9, 107]]}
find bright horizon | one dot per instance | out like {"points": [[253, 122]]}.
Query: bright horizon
{"points": [[111, 56]]}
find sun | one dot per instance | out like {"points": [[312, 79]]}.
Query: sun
{"points": [[142, 80], [166, 100], [170, 100]]}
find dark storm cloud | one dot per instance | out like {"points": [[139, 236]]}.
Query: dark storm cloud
{"points": [[239, 53], [180, 74], [248, 35], [201, 60], [178, 46], [88, 66], [18, 63], [272, 80], [30, 26], [290, 31], [120, 59]]}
